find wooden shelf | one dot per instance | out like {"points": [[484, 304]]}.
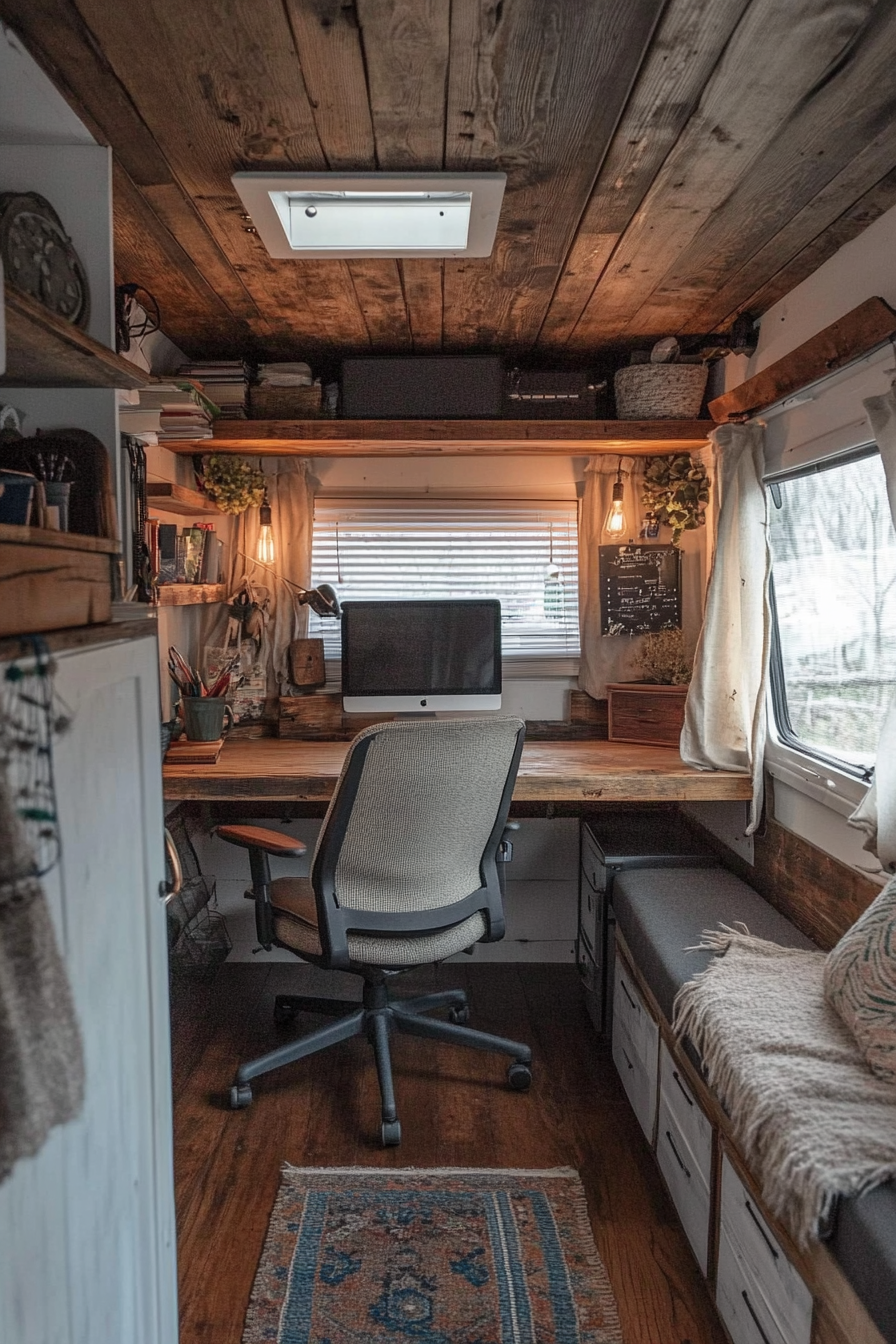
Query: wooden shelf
{"points": [[446, 438], [169, 497], [191, 594], [65, 541], [42, 350]]}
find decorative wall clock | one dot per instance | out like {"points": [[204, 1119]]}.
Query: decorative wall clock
{"points": [[39, 258]]}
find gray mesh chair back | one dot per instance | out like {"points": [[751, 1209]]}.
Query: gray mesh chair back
{"points": [[410, 842]]}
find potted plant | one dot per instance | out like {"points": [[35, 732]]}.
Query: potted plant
{"points": [[652, 710]]}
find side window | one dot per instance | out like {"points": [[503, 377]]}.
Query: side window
{"points": [[834, 597]]}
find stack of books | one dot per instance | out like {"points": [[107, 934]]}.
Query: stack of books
{"points": [[226, 381], [184, 411], [186, 555], [139, 421]]}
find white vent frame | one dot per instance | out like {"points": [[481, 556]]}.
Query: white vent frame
{"points": [[254, 189]]}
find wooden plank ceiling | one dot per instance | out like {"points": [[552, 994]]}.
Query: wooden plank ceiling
{"points": [[669, 165]]}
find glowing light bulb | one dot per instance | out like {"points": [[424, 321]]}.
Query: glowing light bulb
{"points": [[264, 550], [615, 525]]}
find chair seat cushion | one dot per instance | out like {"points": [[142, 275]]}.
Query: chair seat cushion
{"points": [[662, 912], [295, 925]]}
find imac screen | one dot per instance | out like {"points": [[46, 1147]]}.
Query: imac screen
{"points": [[421, 648]]}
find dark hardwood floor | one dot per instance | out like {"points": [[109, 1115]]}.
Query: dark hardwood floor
{"points": [[455, 1109]]}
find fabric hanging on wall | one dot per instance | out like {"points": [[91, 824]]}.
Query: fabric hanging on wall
{"points": [[725, 712], [41, 1053], [611, 658], [291, 495], [876, 814]]}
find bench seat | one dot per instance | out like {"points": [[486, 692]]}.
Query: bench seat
{"points": [[661, 912]]}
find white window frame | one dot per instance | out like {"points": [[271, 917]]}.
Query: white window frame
{"points": [[820, 424]]}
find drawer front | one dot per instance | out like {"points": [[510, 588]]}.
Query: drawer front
{"points": [[638, 1079], [687, 1184], [740, 1304], [781, 1297], [591, 916], [592, 861], [587, 968], [685, 1113], [631, 1012]]}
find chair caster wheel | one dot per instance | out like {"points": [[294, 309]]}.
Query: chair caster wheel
{"points": [[519, 1076], [240, 1096], [284, 1015], [391, 1133], [459, 1016]]}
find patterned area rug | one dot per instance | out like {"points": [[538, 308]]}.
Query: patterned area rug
{"points": [[360, 1255]]}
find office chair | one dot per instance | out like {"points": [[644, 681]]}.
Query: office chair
{"points": [[408, 869]]}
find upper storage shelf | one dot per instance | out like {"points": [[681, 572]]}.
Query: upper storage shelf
{"points": [[436, 438], [42, 350]]}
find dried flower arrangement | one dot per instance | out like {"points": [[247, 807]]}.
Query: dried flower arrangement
{"points": [[676, 489], [663, 660], [233, 483]]}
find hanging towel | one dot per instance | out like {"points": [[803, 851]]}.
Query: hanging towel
{"points": [[41, 1055]]}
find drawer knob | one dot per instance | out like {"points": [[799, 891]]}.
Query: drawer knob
{"points": [[682, 1089], [675, 1153], [762, 1231], [764, 1337]]}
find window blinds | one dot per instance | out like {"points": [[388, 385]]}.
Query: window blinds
{"points": [[524, 554]]}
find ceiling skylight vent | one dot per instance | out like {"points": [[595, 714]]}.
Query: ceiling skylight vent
{"points": [[333, 215]]}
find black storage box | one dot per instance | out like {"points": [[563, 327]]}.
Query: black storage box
{"points": [[556, 394], [426, 387]]}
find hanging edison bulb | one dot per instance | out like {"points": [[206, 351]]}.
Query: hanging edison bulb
{"points": [[615, 524], [264, 551]]}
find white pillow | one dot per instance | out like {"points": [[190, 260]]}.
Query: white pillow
{"points": [[860, 982]]}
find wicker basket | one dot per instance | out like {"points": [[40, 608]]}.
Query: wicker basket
{"points": [[660, 391], [284, 403]]}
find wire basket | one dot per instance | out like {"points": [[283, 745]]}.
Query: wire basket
{"points": [[660, 391], [198, 940]]}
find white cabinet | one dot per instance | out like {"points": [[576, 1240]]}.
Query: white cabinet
{"points": [[87, 1225], [760, 1296], [684, 1153], [635, 1047]]}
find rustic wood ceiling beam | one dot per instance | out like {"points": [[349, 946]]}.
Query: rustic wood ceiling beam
{"points": [[776, 57], [800, 184], [537, 90], [685, 49]]}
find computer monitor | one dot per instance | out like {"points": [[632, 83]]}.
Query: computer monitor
{"points": [[421, 656]]}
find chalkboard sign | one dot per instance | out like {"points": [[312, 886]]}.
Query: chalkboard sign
{"points": [[640, 589]]}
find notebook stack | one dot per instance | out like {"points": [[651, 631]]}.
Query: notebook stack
{"points": [[139, 421], [225, 381], [184, 412]]}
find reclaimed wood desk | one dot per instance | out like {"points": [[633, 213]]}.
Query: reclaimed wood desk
{"points": [[271, 770]]}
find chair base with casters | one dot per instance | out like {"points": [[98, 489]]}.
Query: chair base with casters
{"points": [[377, 1017], [383, 898]]}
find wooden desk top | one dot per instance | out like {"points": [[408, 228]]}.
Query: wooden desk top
{"points": [[268, 769]]}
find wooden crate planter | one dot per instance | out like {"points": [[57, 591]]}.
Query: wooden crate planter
{"points": [[53, 580], [641, 712]]}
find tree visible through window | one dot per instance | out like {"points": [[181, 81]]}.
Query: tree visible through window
{"points": [[834, 575]]}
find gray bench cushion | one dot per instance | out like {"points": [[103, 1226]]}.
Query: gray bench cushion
{"points": [[662, 911]]}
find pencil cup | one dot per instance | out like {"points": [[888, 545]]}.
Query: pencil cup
{"points": [[204, 717]]}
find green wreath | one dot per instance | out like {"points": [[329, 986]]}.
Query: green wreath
{"points": [[233, 483], [676, 489]]}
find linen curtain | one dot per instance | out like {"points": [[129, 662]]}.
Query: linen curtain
{"points": [[725, 711], [876, 814], [611, 658], [291, 495]]}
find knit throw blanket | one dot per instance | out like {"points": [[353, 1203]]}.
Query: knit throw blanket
{"points": [[41, 1058], [808, 1115]]}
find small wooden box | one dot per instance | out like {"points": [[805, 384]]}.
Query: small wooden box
{"points": [[53, 580], [641, 712]]}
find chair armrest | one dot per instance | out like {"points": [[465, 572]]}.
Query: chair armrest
{"points": [[258, 837]]}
